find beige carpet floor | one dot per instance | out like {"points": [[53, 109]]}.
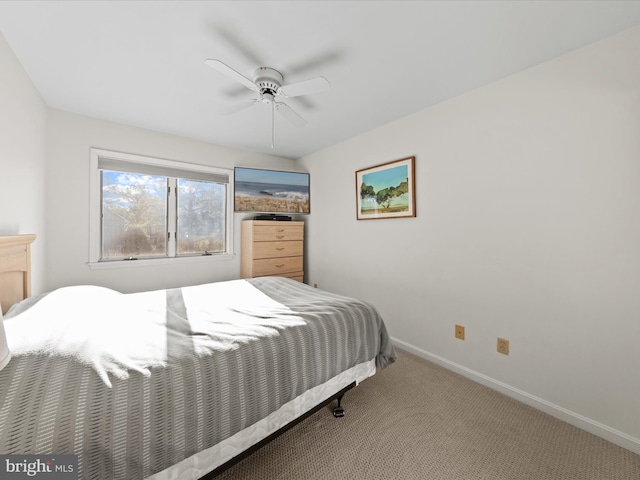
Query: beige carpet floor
{"points": [[416, 420]]}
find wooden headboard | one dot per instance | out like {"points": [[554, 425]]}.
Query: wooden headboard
{"points": [[15, 269]]}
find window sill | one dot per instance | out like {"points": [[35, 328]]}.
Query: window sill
{"points": [[148, 262]]}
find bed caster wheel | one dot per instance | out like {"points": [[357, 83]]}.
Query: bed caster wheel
{"points": [[338, 410]]}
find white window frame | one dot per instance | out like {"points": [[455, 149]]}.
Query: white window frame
{"points": [[95, 205]]}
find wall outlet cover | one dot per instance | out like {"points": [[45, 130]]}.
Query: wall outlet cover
{"points": [[503, 346]]}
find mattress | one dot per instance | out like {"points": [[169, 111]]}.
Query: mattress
{"points": [[172, 383]]}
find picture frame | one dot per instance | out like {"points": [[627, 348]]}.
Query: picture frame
{"points": [[386, 190]]}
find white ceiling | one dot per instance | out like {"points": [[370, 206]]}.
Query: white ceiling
{"points": [[141, 63]]}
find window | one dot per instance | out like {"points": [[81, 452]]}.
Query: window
{"points": [[144, 208]]}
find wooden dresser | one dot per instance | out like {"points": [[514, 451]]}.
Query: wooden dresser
{"points": [[272, 248]]}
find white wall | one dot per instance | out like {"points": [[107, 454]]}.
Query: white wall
{"points": [[527, 227], [67, 207], [22, 158]]}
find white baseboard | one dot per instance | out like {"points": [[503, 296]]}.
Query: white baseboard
{"points": [[603, 431]]}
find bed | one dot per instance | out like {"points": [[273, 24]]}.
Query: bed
{"points": [[177, 383]]}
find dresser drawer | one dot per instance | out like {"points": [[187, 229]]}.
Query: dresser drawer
{"points": [[297, 276], [276, 266], [277, 233], [277, 249]]}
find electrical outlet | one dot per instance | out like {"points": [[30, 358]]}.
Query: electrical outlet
{"points": [[460, 332], [503, 346]]}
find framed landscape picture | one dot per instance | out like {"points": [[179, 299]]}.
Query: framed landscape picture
{"points": [[387, 190]]}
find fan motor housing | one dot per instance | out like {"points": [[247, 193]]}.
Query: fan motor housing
{"points": [[267, 79]]}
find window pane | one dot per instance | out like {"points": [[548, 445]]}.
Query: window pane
{"points": [[201, 217], [134, 215]]}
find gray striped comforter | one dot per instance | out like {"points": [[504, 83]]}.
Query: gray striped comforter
{"points": [[135, 383]]}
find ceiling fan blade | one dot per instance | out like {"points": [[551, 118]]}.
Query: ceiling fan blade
{"points": [[314, 63], [238, 107], [313, 85], [290, 114], [231, 73], [231, 36]]}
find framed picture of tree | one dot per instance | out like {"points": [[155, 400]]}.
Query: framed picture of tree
{"points": [[386, 190]]}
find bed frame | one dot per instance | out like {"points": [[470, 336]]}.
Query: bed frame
{"points": [[15, 269], [338, 412]]}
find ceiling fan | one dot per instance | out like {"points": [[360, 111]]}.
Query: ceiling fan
{"points": [[268, 84]]}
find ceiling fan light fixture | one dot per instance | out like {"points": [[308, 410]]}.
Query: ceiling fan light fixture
{"points": [[267, 98]]}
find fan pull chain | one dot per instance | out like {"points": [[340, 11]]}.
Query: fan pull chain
{"points": [[273, 108]]}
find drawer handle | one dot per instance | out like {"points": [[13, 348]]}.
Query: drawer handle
{"points": [[280, 230], [280, 265], [279, 248], [279, 236]]}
